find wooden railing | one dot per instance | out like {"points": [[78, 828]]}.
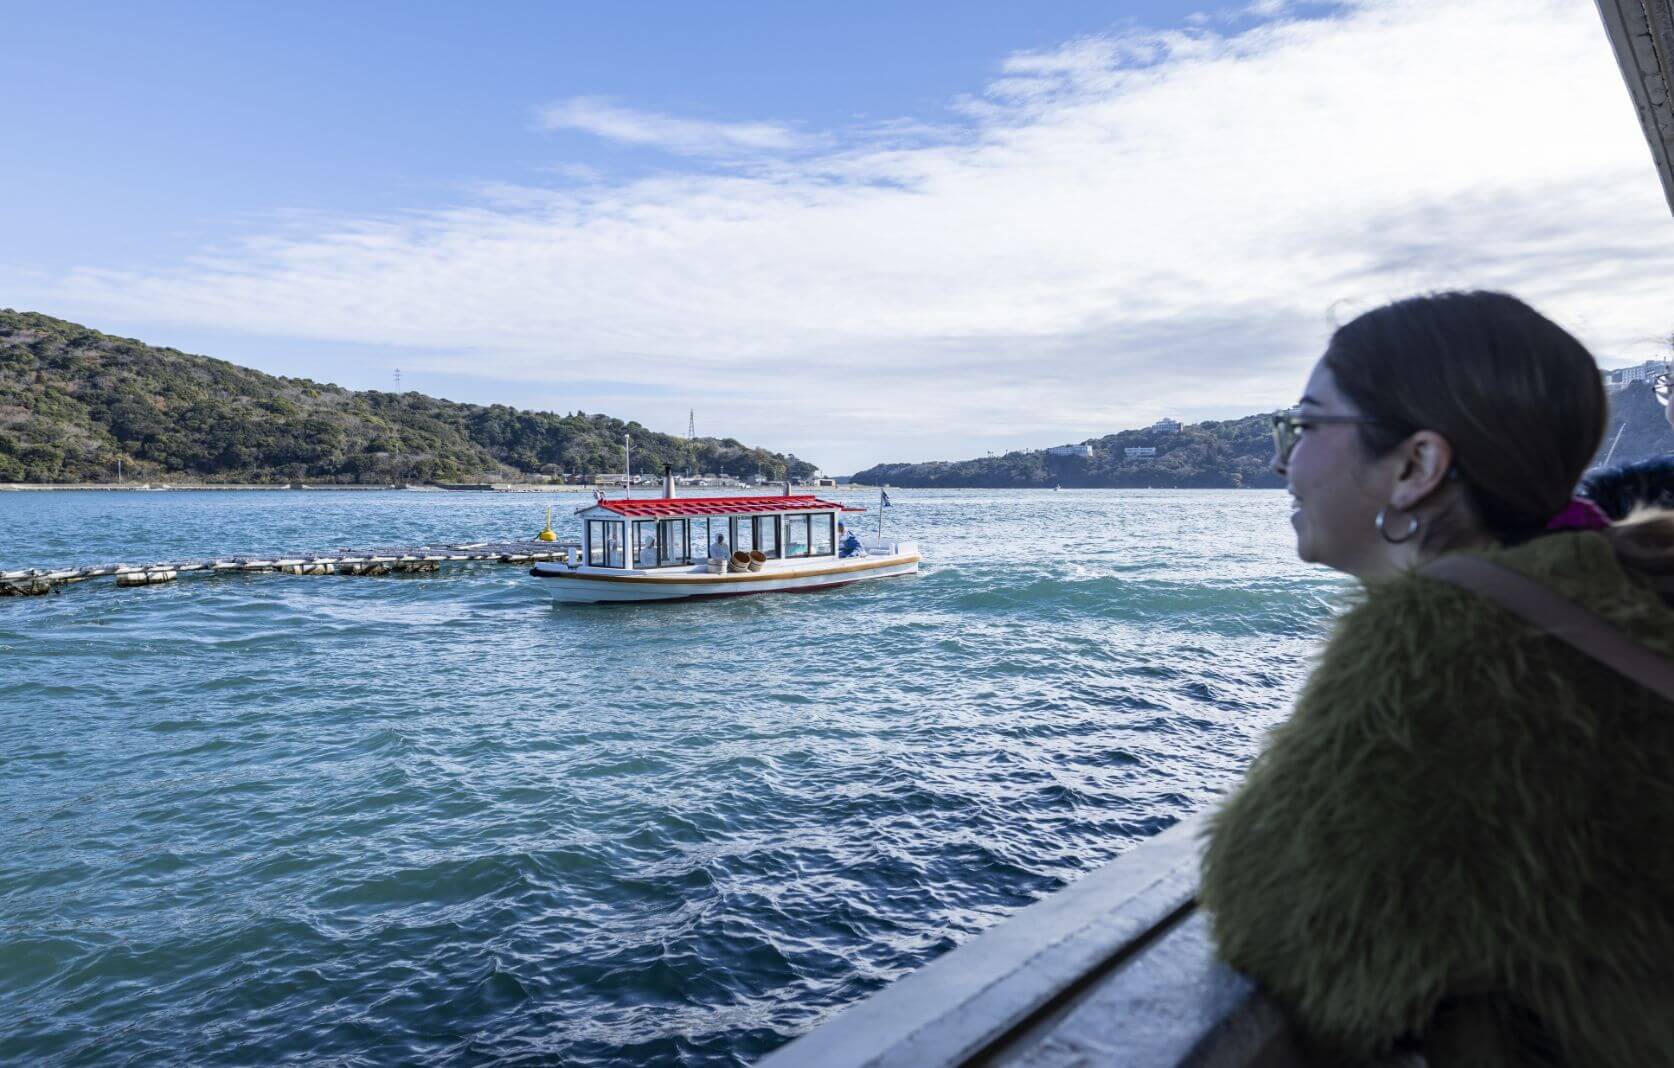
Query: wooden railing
{"points": [[1114, 969]]}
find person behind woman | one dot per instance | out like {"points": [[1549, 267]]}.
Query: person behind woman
{"points": [[1463, 837], [1620, 490]]}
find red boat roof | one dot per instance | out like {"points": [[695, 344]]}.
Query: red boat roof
{"points": [[678, 507]]}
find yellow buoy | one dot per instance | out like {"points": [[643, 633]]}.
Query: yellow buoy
{"points": [[547, 533]]}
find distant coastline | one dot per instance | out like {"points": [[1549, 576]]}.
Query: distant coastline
{"points": [[1229, 454], [145, 487], [335, 487]]}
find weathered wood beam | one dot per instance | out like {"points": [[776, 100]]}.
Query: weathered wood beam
{"points": [[1641, 33]]}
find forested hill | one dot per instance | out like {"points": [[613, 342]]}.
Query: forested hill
{"points": [[1236, 452], [1233, 453], [74, 401]]}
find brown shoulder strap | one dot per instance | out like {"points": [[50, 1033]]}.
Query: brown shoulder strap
{"points": [[1559, 617]]}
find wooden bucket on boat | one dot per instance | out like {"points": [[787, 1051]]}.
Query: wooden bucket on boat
{"points": [[741, 560], [757, 558]]}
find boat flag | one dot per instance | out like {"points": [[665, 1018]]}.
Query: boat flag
{"points": [[883, 499]]}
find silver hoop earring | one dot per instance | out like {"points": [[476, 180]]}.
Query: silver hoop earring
{"points": [[1383, 528]]}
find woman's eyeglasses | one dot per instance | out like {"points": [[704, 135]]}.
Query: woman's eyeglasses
{"points": [[1288, 428]]}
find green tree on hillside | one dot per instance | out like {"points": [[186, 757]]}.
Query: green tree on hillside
{"points": [[74, 401]]}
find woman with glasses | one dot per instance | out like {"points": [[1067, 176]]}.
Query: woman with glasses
{"points": [[1462, 840]]}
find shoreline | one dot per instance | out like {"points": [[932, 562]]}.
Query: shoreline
{"points": [[288, 487], [327, 487]]}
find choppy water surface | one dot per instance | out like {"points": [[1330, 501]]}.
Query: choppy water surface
{"points": [[441, 819]]}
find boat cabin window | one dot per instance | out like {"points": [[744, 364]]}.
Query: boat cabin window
{"points": [[811, 535], [703, 535], [645, 543], [822, 529], [796, 535], [671, 543], [767, 535], [742, 534], [604, 543], [655, 543]]}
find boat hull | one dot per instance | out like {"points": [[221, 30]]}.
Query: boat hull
{"points": [[592, 586]]}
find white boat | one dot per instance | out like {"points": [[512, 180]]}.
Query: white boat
{"points": [[659, 548]]}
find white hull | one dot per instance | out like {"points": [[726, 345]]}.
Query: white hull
{"points": [[599, 585]]}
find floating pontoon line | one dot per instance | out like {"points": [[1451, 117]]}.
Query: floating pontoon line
{"points": [[379, 561]]}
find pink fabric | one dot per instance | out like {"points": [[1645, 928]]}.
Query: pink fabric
{"points": [[1579, 514]]}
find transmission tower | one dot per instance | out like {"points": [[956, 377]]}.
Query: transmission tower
{"points": [[398, 380], [691, 423]]}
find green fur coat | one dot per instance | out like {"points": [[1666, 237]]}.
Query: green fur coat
{"points": [[1463, 837]]}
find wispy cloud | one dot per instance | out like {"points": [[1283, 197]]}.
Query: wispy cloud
{"points": [[1115, 229], [603, 117]]}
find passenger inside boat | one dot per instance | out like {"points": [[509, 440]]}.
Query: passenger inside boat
{"points": [[604, 544], [847, 543], [718, 549]]}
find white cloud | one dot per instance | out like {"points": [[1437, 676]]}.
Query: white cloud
{"points": [[1113, 230], [604, 118]]}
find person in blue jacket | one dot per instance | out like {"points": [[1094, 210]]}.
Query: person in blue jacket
{"points": [[1620, 490], [847, 543]]}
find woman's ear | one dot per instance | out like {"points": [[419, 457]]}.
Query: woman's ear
{"points": [[1425, 459]]}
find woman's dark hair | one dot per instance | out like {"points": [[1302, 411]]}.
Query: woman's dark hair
{"points": [[1516, 395]]}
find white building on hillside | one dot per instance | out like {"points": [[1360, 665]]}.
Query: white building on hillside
{"points": [[1083, 451], [1166, 426], [1620, 377]]}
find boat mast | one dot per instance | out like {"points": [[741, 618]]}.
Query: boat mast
{"points": [[627, 465]]}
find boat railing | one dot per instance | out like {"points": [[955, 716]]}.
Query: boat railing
{"points": [[877, 547], [1117, 968]]}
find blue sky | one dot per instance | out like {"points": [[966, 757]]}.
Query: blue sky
{"points": [[861, 232], [146, 131]]}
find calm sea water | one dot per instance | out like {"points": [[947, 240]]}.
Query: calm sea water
{"points": [[440, 819]]}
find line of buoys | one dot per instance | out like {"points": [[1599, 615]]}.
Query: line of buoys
{"points": [[147, 577], [424, 559], [33, 587]]}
